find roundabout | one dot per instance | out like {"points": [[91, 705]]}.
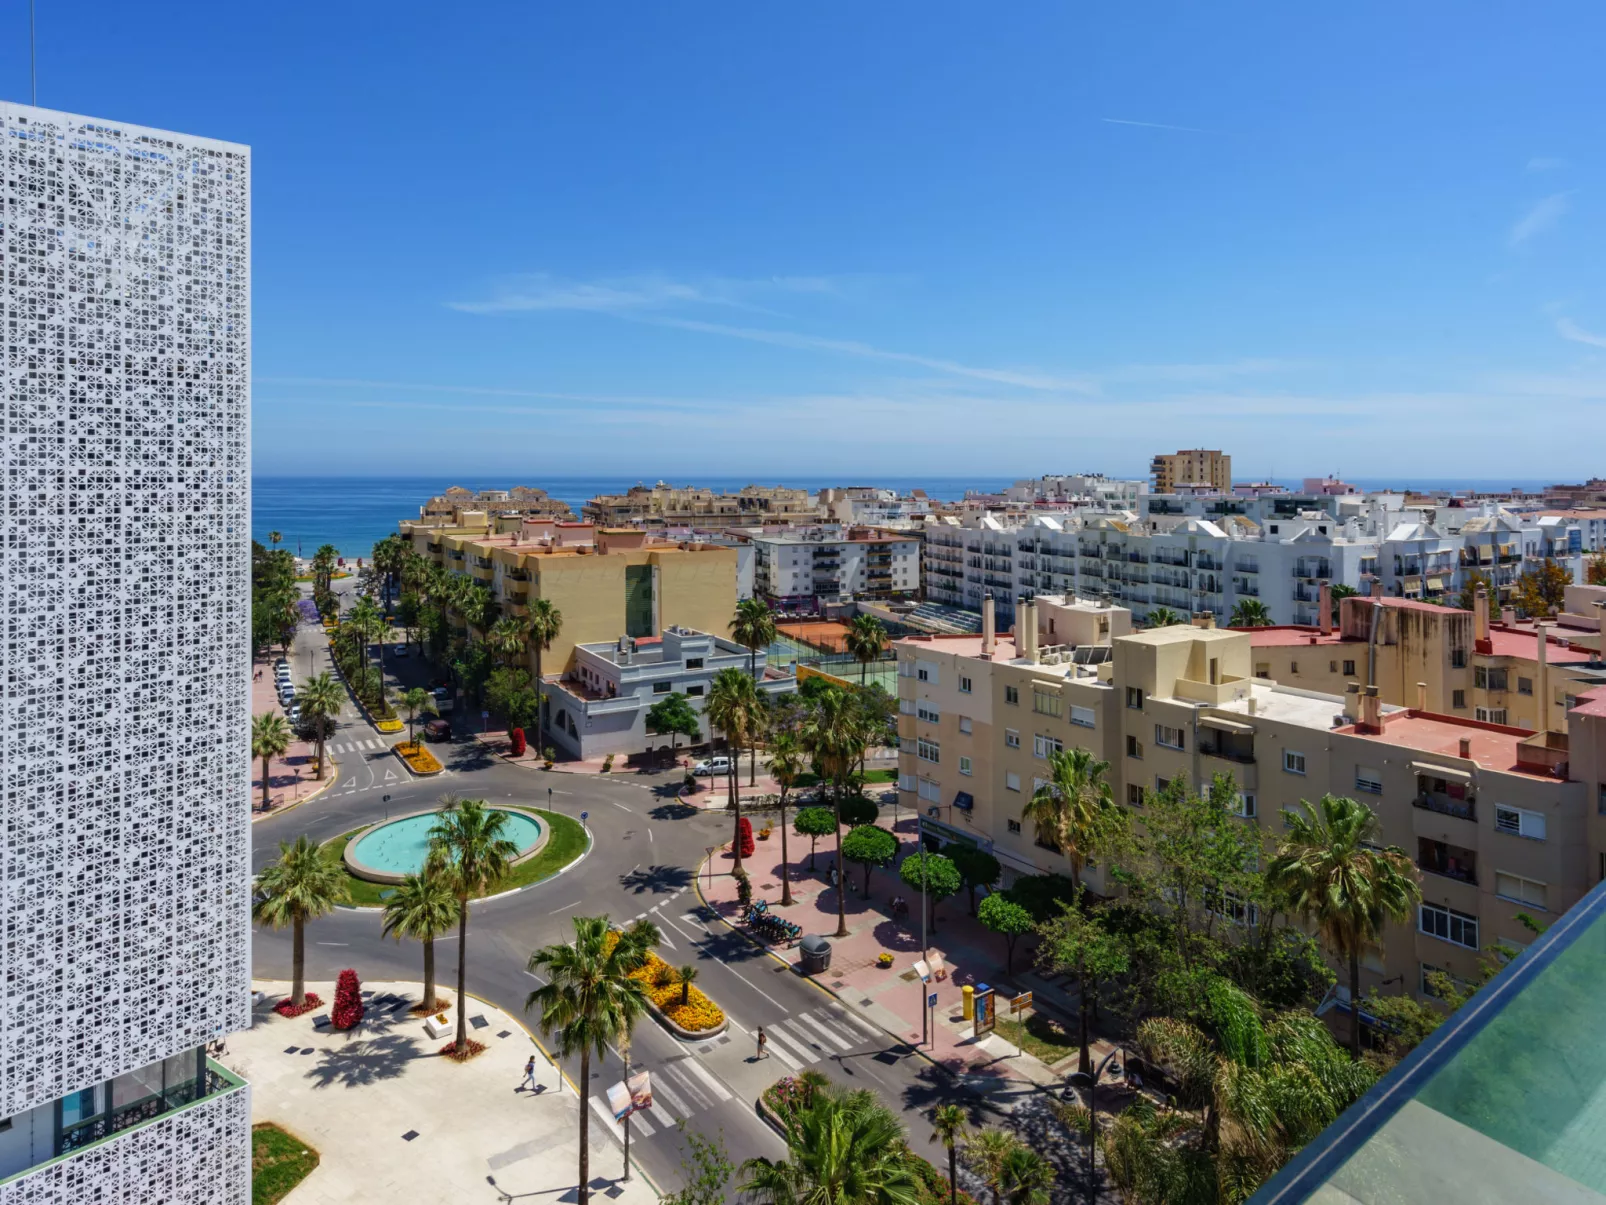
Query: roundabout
{"points": [[389, 852]]}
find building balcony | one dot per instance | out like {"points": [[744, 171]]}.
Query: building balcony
{"points": [[1446, 860], [1444, 805]]}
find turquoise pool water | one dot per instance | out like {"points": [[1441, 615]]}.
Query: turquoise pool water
{"points": [[399, 846]]}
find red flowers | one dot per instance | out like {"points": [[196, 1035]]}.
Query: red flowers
{"points": [[348, 1008], [745, 828], [516, 742], [310, 1001]]}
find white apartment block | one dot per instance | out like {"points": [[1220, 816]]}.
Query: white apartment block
{"points": [[1079, 489], [125, 935], [830, 564]]}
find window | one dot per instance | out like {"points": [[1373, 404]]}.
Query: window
{"points": [[964, 685], [906, 782], [1332, 667], [964, 765], [928, 750], [1525, 686], [1243, 804], [1046, 746], [1458, 658], [662, 688], [1293, 667], [1519, 822], [927, 712], [1491, 715], [1012, 696], [1012, 783], [1160, 784], [695, 692], [1368, 780], [964, 724], [1013, 825], [1171, 738], [1134, 747], [694, 663], [906, 706], [1134, 794], [1045, 702], [926, 671], [1263, 669], [1011, 738], [1083, 717], [1231, 907], [930, 791], [1458, 700], [1134, 697], [1448, 925], [1519, 890], [1349, 669], [1293, 762]]}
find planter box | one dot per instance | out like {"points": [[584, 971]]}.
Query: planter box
{"points": [[396, 749], [687, 1035]]}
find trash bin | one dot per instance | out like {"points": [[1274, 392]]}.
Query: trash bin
{"points": [[816, 954]]}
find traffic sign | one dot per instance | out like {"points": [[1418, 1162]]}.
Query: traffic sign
{"points": [[931, 1000], [1020, 1003], [583, 816], [384, 799]]}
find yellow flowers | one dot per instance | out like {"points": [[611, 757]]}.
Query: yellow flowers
{"points": [[663, 987], [419, 759]]}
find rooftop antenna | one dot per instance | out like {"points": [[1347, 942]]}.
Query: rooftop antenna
{"points": [[33, 60]]}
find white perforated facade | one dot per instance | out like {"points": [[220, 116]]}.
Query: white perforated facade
{"points": [[124, 593]]}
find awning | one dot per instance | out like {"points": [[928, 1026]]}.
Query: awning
{"points": [[964, 800], [1223, 724], [1435, 583], [1437, 771]]}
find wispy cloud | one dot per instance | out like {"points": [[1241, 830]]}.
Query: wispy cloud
{"points": [[1568, 329], [636, 294], [1542, 163], [1153, 125], [1541, 217]]}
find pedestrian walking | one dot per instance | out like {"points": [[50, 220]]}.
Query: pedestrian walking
{"points": [[763, 1041], [529, 1076]]}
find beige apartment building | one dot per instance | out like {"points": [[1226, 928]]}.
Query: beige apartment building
{"points": [[1194, 467], [521, 500], [664, 505], [1498, 819], [606, 583]]}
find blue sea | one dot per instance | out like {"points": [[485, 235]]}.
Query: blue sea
{"points": [[353, 513]]}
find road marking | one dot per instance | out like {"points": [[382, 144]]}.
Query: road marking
{"points": [[707, 1077], [779, 1051], [607, 1119], [661, 1089], [830, 1035], [785, 1039], [621, 806], [660, 1114], [334, 943], [650, 840], [566, 907], [640, 1124], [692, 917], [677, 928]]}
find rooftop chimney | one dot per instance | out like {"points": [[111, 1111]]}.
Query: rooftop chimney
{"points": [[1377, 587], [1421, 696], [1026, 631], [1324, 603], [989, 626], [1480, 613], [1466, 747], [1352, 702], [1372, 709]]}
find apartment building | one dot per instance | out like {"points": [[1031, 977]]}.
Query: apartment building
{"points": [[799, 570], [125, 313], [605, 582], [1490, 813], [663, 505], [870, 506], [600, 705], [521, 500], [1194, 467], [1077, 490]]}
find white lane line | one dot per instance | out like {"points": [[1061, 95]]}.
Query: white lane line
{"points": [[661, 1090], [692, 918], [702, 1073], [662, 1115], [831, 1035], [650, 841], [334, 943], [605, 1114], [664, 937], [869, 1031], [782, 1040], [688, 1086], [779, 1051], [566, 907], [678, 929], [640, 1124], [622, 807]]}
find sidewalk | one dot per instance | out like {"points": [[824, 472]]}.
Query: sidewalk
{"points": [[392, 1121], [292, 778], [892, 997]]}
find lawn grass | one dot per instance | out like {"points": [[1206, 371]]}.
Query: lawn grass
{"points": [[1041, 1036], [567, 842], [279, 1162], [880, 776]]}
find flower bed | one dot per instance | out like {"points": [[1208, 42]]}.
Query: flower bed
{"points": [[389, 725], [450, 1050], [417, 758], [698, 1017], [309, 1001]]}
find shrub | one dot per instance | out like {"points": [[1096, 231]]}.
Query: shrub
{"points": [[309, 1001], [516, 744], [744, 888], [348, 1007], [744, 830], [607, 764], [857, 811], [664, 989]]}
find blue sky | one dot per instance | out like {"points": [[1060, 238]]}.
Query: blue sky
{"points": [[937, 238]]}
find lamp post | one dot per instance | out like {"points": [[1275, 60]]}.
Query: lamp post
{"points": [[1082, 1079]]}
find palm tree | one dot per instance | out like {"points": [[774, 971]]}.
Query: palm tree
{"points": [[1163, 617], [948, 1126], [1330, 872], [422, 907], [988, 1153], [415, 701], [843, 1148], [275, 538], [1075, 810], [270, 737], [368, 625], [1338, 593], [866, 640], [589, 1001], [320, 697], [753, 627], [545, 622], [507, 637], [468, 846], [733, 708], [301, 885], [688, 976], [323, 566], [786, 765], [1250, 613], [1026, 1177], [833, 734]]}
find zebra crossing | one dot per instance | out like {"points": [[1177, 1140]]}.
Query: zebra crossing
{"points": [[680, 1088], [808, 1037], [369, 745]]}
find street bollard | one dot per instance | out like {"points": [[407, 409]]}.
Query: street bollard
{"points": [[968, 1004]]}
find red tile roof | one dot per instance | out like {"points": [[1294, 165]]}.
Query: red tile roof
{"points": [[1278, 637], [1592, 702], [1494, 746], [1514, 642]]}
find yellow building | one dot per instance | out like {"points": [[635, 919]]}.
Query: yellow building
{"points": [[1192, 467]]}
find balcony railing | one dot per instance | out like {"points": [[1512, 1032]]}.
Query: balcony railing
{"points": [[147, 1108], [1463, 809]]}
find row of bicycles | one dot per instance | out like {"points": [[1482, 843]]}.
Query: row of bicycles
{"points": [[763, 923]]}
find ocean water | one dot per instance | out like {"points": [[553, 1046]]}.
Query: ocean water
{"points": [[353, 513]]}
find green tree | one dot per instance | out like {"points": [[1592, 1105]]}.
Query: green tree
{"points": [[270, 737], [673, 716], [843, 1148], [987, 1154], [300, 885], [320, 698], [506, 639], [275, 538], [422, 907], [589, 1001], [948, 1126], [1471, 579], [814, 823], [1075, 811], [833, 734], [410, 616], [786, 764], [1076, 944], [977, 868], [369, 627], [509, 695], [1542, 590], [866, 640], [1338, 592], [1009, 920], [1250, 613], [686, 976], [1595, 570], [753, 627], [415, 701], [857, 810], [1027, 1177], [469, 848], [707, 1168], [1330, 871], [473, 666], [870, 847], [933, 876], [734, 708], [546, 621], [1163, 617]]}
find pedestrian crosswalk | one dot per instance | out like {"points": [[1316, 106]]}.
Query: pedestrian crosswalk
{"points": [[805, 1038], [680, 1088], [370, 745]]}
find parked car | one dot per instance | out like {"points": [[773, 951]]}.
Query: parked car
{"points": [[282, 673], [293, 714], [443, 700], [713, 765], [438, 730], [401, 650]]}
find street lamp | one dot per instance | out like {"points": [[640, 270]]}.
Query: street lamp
{"points": [[1082, 1079]]}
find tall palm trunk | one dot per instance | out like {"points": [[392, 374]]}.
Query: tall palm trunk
{"points": [[585, 1125], [320, 748], [298, 962], [841, 883], [461, 1044], [1355, 1001], [786, 868], [1084, 1062], [266, 762], [429, 974], [540, 694], [953, 1175], [734, 777]]}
